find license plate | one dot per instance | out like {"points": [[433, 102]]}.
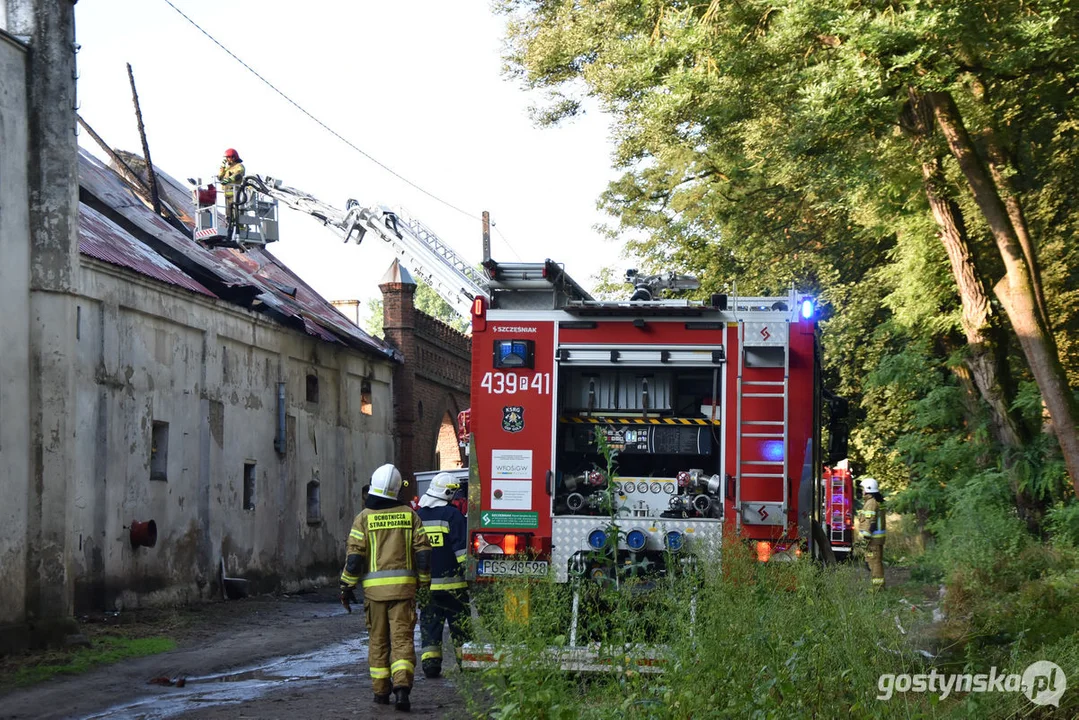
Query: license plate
{"points": [[512, 568]]}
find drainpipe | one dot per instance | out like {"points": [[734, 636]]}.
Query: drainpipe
{"points": [[279, 440]]}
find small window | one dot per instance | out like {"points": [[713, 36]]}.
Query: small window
{"points": [[366, 407], [249, 486], [314, 503], [159, 451], [312, 388]]}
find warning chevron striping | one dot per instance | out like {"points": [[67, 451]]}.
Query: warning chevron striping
{"points": [[637, 421]]}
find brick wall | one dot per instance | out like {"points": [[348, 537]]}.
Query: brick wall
{"points": [[430, 387]]}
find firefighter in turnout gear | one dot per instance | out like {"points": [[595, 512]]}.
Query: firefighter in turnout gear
{"points": [[871, 530], [388, 549], [231, 175], [447, 600]]}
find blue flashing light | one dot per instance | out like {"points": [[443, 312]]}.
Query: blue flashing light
{"points": [[807, 308], [772, 450], [674, 540], [597, 539], [636, 539]]}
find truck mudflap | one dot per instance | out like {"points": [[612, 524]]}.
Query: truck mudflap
{"points": [[591, 658]]}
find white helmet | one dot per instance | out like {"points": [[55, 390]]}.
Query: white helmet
{"points": [[441, 491], [386, 482], [869, 485]]}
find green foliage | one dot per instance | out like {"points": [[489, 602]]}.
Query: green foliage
{"points": [[1064, 522], [1007, 592], [430, 303], [106, 649], [373, 322]]}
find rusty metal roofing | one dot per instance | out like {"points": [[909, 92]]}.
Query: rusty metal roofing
{"points": [[103, 239], [258, 279], [109, 188]]}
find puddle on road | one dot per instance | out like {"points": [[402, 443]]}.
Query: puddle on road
{"points": [[241, 685]]}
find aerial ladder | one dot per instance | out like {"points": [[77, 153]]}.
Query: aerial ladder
{"points": [[419, 249]]}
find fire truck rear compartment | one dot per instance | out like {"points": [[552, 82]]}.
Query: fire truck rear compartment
{"points": [[659, 422], [663, 425]]}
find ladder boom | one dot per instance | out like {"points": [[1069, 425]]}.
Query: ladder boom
{"points": [[416, 245]]}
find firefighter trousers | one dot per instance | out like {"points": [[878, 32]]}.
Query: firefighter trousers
{"points": [[444, 606], [391, 650], [874, 557]]}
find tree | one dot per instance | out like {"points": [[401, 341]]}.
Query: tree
{"points": [[810, 139]]}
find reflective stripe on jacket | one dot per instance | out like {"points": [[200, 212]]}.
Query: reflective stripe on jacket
{"points": [[231, 175], [447, 532], [388, 550], [871, 520]]}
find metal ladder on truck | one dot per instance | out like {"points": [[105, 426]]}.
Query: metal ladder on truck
{"points": [[762, 406], [837, 507], [416, 245]]}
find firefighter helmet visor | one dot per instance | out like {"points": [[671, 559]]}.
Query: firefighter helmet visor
{"points": [[441, 490]]}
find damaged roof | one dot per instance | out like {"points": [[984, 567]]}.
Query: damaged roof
{"points": [[116, 226], [103, 239]]}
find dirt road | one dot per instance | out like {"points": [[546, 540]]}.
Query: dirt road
{"points": [[290, 657]]}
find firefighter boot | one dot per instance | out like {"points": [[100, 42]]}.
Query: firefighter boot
{"points": [[382, 699], [874, 556], [432, 668], [400, 699]]}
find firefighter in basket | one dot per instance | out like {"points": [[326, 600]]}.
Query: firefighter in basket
{"points": [[871, 530], [388, 549], [231, 176], [447, 600]]}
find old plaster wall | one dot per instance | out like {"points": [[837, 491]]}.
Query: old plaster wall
{"points": [[149, 353], [14, 329]]}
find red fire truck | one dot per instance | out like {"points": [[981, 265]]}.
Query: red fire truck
{"points": [[713, 408]]}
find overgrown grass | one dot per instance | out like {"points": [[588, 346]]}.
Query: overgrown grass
{"points": [[1012, 598], [776, 640], [779, 641], [105, 649], [906, 544], [742, 639]]}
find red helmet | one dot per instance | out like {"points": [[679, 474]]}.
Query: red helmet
{"points": [[231, 153]]}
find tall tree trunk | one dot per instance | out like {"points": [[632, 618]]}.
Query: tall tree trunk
{"points": [[999, 166], [1016, 290], [987, 356], [986, 363]]}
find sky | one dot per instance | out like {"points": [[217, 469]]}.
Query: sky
{"points": [[416, 84]]}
